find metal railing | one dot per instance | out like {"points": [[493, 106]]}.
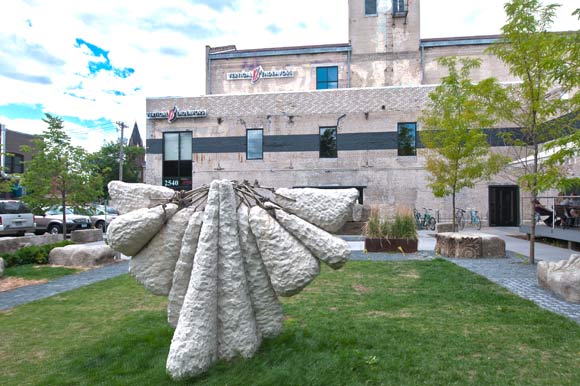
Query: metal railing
{"points": [[552, 211]]}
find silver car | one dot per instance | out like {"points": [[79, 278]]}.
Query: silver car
{"points": [[101, 216], [51, 221], [15, 218]]}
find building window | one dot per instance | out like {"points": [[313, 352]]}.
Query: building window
{"points": [[254, 144], [14, 163], [326, 77], [328, 142], [399, 7], [370, 7], [406, 139], [177, 168]]}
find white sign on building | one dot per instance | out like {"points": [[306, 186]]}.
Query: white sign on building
{"points": [[174, 113], [259, 73]]}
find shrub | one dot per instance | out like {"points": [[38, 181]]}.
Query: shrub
{"points": [[34, 254]]}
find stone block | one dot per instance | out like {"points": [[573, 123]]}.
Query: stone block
{"points": [[443, 227], [561, 277], [12, 244], [81, 255], [86, 236], [357, 212], [469, 246]]}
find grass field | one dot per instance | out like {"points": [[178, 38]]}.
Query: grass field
{"points": [[372, 323], [39, 272]]}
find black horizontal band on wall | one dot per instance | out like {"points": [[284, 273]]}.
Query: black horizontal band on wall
{"points": [[386, 140]]}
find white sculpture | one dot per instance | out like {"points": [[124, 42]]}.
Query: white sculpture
{"points": [[223, 268], [561, 277]]}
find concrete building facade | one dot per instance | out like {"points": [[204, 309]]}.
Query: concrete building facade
{"points": [[333, 115]]}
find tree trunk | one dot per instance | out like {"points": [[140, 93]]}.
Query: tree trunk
{"points": [[453, 212], [64, 230], [533, 231]]}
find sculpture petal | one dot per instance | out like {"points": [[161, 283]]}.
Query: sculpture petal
{"points": [[290, 264], [267, 308], [237, 333], [183, 268], [324, 246], [194, 346], [130, 232]]}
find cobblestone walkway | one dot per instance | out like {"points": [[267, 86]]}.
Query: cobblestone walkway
{"points": [[520, 278], [511, 273], [15, 297]]}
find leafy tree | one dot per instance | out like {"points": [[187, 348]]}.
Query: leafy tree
{"points": [[7, 182], [59, 173], [458, 151], [106, 160], [568, 76], [547, 65]]}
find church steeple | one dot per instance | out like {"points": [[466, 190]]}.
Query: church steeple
{"points": [[135, 139]]}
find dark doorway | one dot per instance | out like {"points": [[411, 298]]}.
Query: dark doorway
{"points": [[504, 205]]}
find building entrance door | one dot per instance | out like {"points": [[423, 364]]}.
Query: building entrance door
{"points": [[504, 205]]}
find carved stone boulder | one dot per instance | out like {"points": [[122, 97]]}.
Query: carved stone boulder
{"points": [[469, 246], [561, 277]]}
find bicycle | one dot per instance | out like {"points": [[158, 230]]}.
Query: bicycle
{"points": [[425, 221], [460, 218], [474, 219]]}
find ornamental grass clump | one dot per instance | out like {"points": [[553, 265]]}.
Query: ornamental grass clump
{"points": [[402, 226], [373, 229]]}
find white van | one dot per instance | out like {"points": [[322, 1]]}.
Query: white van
{"points": [[15, 218]]}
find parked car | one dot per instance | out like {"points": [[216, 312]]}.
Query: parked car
{"points": [[101, 216], [15, 218], [51, 221]]}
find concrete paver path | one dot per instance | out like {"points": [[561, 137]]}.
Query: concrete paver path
{"points": [[17, 296]]}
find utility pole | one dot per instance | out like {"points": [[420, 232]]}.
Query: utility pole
{"points": [[122, 126]]}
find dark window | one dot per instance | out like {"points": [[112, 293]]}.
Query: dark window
{"points": [[370, 7], [14, 163], [399, 6], [326, 77], [254, 144], [177, 169], [406, 139], [13, 207], [328, 142]]}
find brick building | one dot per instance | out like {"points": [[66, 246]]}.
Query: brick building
{"points": [[13, 157], [329, 115]]}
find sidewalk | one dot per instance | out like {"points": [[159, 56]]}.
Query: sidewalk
{"points": [[18, 296]]}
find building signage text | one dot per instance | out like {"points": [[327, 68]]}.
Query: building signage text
{"points": [[259, 73], [174, 113]]}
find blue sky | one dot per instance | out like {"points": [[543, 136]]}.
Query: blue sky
{"points": [[94, 63]]}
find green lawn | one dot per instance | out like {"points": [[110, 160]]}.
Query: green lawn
{"points": [[372, 323], [38, 272]]}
